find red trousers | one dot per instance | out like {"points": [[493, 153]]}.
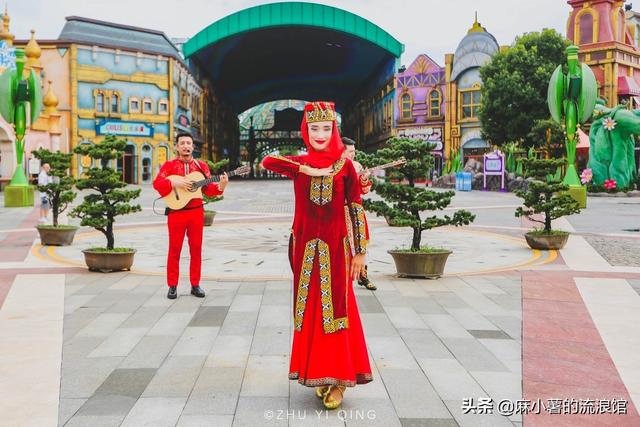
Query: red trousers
{"points": [[191, 222]]}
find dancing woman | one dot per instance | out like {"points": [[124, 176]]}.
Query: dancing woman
{"points": [[329, 351]]}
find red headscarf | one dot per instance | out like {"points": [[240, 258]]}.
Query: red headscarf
{"points": [[333, 152]]}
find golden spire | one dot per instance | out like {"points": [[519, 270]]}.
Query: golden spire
{"points": [[476, 27], [5, 34], [50, 100], [32, 52]]}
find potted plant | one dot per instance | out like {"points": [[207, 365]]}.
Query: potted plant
{"points": [[215, 168], [405, 204], [60, 193], [109, 200], [546, 195]]}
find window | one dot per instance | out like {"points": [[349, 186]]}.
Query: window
{"points": [[163, 107], [586, 28], [406, 106], [434, 103], [134, 105], [147, 106], [470, 103], [115, 103], [100, 103]]}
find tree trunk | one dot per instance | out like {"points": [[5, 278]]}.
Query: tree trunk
{"points": [[547, 215], [55, 208], [417, 236], [110, 238]]}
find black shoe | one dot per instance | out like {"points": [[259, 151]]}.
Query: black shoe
{"points": [[197, 291], [173, 292]]}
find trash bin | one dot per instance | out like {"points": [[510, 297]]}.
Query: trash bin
{"points": [[458, 181], [463, 181]]}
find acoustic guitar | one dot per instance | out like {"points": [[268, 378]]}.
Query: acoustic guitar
{"points": [[179, 198]]}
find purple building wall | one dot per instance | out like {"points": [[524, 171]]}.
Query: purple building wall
{"points": [[420, 103]]}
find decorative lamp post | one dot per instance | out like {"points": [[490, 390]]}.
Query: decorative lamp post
{"points": [[572, 98], [20, 100]]}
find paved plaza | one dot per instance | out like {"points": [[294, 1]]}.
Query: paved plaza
{"points": [[507, 330]]}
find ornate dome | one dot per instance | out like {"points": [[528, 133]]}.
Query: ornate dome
{"points": [[474, 50]]}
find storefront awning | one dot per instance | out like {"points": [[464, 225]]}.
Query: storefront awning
{"points": [[628, 86]]}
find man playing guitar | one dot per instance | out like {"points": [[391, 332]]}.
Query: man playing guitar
{"points": [[189, 219], [365, 187]]}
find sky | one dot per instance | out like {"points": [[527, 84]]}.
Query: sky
{"points": [[434, 27]]}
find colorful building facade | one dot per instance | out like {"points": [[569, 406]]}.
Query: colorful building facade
{"points": [[419, 104], [125, 81], [48, 131], [609, 41], [463, 93]]}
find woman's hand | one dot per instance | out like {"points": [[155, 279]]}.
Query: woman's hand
{"points": [[308, 170], [357, 266]]}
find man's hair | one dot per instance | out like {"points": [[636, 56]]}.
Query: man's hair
{"points": [[348, 141], [182, 135]]}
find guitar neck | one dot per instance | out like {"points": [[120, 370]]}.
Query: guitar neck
{"points": [[381, 167], [215, 178]]}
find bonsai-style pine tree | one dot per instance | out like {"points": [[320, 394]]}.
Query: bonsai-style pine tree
{"points": [[215, 168], [546, 193], [111, 199], [404, 204], [60, 191]]}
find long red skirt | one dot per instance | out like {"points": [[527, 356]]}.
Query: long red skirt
{"points": [[338, 358]]}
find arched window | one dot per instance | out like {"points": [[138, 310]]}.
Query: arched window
{"points": [[586, 28], [406, 105], [115, 103], [100, 102], [434, 103]]}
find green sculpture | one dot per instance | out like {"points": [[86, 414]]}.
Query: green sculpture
{"points": [[572, 98], [18, 95], [612, 144]]}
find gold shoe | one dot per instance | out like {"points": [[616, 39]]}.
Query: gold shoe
{"points": [[321, 391], [329, 401]]}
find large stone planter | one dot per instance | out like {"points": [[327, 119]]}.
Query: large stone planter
{"points": [[420, 264], [547, 242], [56, 236], [108, 261], [208, 218]]}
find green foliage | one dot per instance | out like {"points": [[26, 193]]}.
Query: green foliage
{"points": [[216, 168], [546, 194], [514, 88], [111, 198], [402, 204], [60, 191]]}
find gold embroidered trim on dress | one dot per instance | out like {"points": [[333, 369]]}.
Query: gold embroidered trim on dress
{"points": [[284, 158], [329, 324], [321, 191], [317, 382], [359, 231]]}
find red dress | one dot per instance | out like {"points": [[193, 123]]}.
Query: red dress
{"points": [[328, 340]]}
